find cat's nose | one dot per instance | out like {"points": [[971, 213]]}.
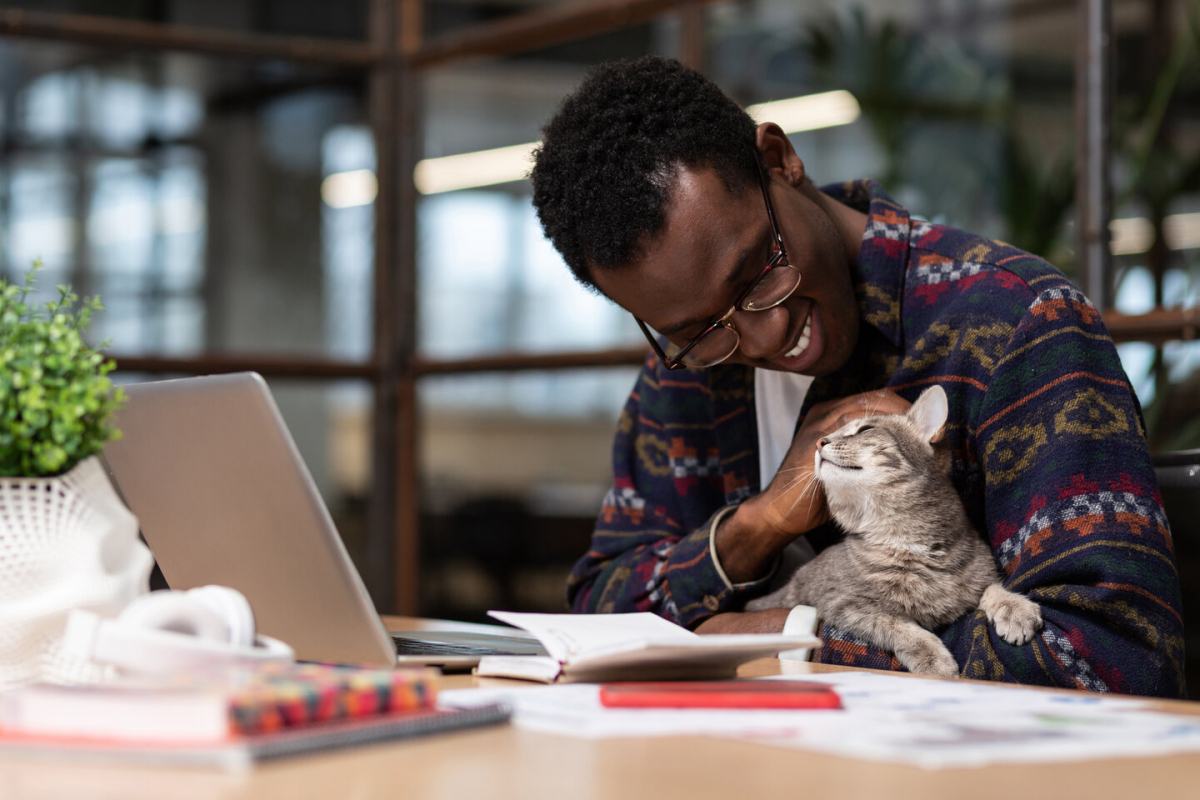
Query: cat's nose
{"points": [[822, 442]]}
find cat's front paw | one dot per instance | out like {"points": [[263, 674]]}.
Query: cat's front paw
{"points": [[928, 658], [1016, 617]]}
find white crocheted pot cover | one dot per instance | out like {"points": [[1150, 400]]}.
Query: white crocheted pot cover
{"points": [[65, 542]]}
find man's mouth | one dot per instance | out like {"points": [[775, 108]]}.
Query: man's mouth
{"points": [[803, 341]]}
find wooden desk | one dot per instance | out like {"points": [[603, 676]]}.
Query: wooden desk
{"points": [[505, 762]]}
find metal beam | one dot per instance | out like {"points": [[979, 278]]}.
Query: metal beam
{"points": [[553, 24], [1093, 122], [518, 362], [134, 34], [382, 111], [1155, 326], [270, 366], [692, 39], [404, 307]]}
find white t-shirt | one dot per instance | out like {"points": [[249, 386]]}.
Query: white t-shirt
{"points": [[778, 397]]}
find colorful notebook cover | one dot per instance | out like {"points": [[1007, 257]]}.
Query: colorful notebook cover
{"points": [[271, 699], [217, 707]]}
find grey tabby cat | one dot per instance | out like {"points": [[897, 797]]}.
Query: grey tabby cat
{"points": [[911, 560]]}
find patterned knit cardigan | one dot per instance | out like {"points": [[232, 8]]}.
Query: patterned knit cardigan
{"points": [[1049, 457]]}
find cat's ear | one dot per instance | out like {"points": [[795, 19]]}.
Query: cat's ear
{"points": [[929, 413]]}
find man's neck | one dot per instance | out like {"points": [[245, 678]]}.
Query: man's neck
{"points": [[851, 224]]}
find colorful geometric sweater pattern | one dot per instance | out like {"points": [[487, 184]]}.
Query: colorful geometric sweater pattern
{"points": [[1049, 457]]}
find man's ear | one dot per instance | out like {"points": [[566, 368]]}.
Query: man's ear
{"points": [[929, 413], [778, 155]]}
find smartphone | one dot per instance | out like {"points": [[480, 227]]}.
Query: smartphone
{"points": [[720, 694]]}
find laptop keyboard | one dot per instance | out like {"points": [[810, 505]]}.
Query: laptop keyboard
{"points": [[416, 647]]}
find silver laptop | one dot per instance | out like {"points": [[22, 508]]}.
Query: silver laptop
{"points": [[222, 496]]}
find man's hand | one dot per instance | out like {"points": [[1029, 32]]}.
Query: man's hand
{"points": [[769, 621], [793, 504]]}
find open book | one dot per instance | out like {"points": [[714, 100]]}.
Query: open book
{"points": [[615, 647]]}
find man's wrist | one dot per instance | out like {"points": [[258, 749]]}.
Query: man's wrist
{"points": [[743, 549]]}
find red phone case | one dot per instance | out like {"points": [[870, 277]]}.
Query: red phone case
{"points": [[719, 694]]}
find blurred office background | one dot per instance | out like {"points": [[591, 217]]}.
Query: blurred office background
{"points": [[274, 185]]}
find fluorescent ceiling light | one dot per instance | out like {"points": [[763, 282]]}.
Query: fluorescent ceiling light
{"points": [[809, 112], [472, 170], [356, 187], [1182, 231], [508, 164], [1130, 235], [1133, 235]]}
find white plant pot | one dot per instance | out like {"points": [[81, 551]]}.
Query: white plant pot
{"points": [[65, 542]]}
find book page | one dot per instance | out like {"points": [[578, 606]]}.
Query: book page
{"points": [[566, 636]]}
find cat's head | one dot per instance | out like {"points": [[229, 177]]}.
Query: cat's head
{"points": [[868, 463]]}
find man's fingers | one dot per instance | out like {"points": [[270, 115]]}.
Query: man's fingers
{"points": [[828, 416], [867, 404]]}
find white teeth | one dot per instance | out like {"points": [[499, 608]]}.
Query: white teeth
{"points": [[802, 342]]}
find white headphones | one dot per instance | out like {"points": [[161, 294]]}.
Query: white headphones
{"points": [[168, 631]]}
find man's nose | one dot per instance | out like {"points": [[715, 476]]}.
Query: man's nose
{"points": [[761, 332]]}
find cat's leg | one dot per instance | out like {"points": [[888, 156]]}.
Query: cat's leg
{"points": [[916, 648], [766, 601], [1016, 617], [807, 583], [783, 597]]}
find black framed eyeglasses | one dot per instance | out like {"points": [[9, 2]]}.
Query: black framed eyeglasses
{"points": [[719, 340]]}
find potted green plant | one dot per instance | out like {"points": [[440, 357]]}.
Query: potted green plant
{"points": [[66, 540]]}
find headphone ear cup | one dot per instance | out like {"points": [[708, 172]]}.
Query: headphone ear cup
{"points": [[232, 607], [170, 631], [177, 613]]}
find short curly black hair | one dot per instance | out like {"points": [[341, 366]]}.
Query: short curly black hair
{"points": [[608, 158]]}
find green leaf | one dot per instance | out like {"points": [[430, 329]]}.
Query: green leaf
{"points": [[56, 401]]}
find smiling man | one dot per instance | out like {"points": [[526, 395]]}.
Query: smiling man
{"points": [[776, 311]]}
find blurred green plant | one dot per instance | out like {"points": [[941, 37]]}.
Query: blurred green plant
{"points": [[908, 84], [902, 79], [912, 86], [56, 400], [1035, 200], [879, 64], [1171, 419], [1161, 166], [1159, 169]]}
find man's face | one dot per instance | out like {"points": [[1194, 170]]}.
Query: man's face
{"points": [[713, 244]]}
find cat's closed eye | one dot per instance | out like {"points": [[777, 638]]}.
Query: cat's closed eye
{"points": [[864, 428]]}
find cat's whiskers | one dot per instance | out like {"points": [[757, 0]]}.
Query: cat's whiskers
{"points": [[809, 490], [791, 484]]}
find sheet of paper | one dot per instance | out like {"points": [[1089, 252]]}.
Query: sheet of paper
{"points": [[927, 723], [876, 691], [939, 724], [567, 635]]}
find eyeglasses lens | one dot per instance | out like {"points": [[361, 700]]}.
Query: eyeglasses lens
{"points": [[714, 348], [774, 287], [720, 343]]}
